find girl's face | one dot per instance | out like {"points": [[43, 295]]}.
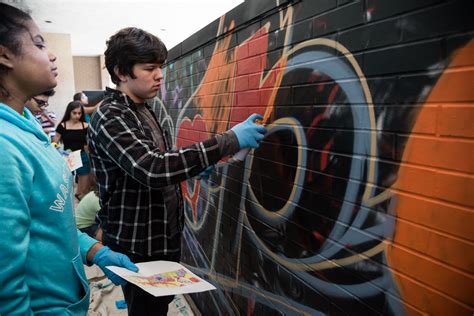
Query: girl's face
{"points": [[33, 70], [76, 114]]}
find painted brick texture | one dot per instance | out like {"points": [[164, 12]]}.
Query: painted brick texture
{"points": [[359, 200]]}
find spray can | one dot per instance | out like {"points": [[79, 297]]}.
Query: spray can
{"points": [[242, 154]]}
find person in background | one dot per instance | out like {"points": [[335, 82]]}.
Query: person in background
{"points": [[88, 110], [137, 171], [38, 106], [41, 251], [72, 132], [37, 103], [86, 212]]}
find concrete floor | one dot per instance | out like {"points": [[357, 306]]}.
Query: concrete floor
{"points": [[104, 295]]}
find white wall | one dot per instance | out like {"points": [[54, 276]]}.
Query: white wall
{"points": [[60, 45]]}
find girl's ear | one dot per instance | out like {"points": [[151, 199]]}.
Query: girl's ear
{"points": [[6, 57], [122, 77]]}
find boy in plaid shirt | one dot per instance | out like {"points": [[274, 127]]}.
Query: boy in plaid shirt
{"points": [[138, 174]]}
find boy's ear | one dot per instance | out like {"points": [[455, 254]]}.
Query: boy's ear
{"points": [[6, 57], [122, 77]]}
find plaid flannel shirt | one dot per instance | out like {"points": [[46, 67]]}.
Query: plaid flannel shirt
{"points": [[131, 171]]}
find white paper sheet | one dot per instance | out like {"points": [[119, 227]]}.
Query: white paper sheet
{"points": [[74, 160], [161, 278]]}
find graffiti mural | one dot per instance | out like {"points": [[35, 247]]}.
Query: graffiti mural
{"points": [[333, 214]]}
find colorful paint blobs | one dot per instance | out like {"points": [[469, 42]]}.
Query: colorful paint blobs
{"points": [[178, 278]]}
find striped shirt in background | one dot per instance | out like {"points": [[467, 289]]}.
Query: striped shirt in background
{"points": [[48, 127]]}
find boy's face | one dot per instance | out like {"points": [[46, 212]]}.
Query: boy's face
{"points": [[145, 85], [37, 104]]}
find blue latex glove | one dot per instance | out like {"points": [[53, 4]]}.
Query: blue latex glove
{"points": [[204, 175], [106, 257], [249, 133]]}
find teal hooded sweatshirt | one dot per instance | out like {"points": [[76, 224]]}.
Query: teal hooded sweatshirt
{"points": [[41, 251]]}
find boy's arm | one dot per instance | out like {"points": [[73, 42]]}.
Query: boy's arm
{"points": [[14, 213], [90, 109], [119, 138]]}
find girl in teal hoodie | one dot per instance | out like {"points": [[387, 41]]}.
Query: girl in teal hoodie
{"points": [[41, 252]]}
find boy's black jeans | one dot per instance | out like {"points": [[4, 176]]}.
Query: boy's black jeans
{"points": [[139, 302]]}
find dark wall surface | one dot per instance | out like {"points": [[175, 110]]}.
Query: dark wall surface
{"points": [[359, 201]]}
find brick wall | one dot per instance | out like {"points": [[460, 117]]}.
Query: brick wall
{"points": [[360, 199]]}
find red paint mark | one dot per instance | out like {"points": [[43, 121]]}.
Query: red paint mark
{"points": [[249, 66], [315, 122], [250, 306], [192, 198], [314, 77], [320, 88], [318, 237], [324, 155], [258, 46], [190, 132], [355, 210], [332, 94]]}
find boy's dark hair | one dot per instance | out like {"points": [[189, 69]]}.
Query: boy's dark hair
{"points": [[131, 46], [12, 24], [77, 96]]}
